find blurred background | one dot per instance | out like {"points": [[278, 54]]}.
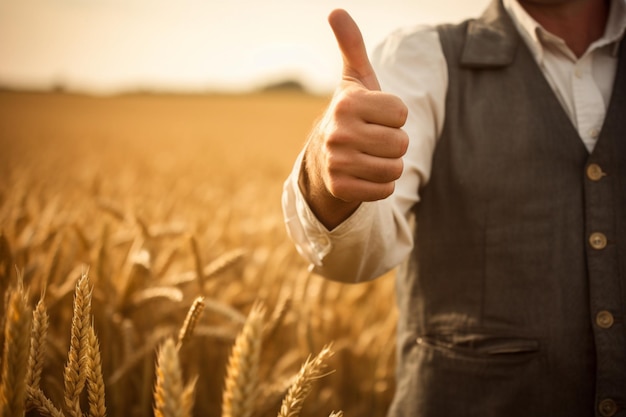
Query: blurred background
{"points": [[146, 142], [110, 46]]}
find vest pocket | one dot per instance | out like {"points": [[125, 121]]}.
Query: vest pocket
{"points": [[471, 375], [476, 345]]}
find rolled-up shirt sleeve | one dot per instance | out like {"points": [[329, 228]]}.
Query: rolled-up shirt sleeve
{"points": [[378, 236]]}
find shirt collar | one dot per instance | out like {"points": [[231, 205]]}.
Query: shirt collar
{"points": [[538, 38]]}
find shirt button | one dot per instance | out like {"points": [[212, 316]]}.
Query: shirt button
{"points": [[578, 73], [607, 407], [604, 319], [594, 133], [321, 242], [594, 172], [597, 241]]}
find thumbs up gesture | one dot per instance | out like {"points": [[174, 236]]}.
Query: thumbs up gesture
{"points": [[355, 152]]}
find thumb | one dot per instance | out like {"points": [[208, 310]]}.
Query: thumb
{"points": [[356, 64]]}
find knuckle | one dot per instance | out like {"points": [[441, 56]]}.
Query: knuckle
{"points": [[403, 112], [344, 105], [388, 189], [337, 169], [334, 161], [391, 171], [335, 139], [381, 192], [399, 110], [394, 143], [392, 174], [340, 189], [402, 142], [396, 171]]}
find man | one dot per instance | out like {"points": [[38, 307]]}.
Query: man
{"points": [[492, 166]]}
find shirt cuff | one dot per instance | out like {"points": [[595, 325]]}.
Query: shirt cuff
{"points": [[312, 239]]}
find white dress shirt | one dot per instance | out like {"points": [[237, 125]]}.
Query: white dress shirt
{"points": [[378, 236]]}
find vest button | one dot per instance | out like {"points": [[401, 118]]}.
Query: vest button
{"points": [[607, 407], [594, 172], [597, 241], [604, 319]]}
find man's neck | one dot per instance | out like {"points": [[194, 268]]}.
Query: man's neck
{"points": [[578, 22]]}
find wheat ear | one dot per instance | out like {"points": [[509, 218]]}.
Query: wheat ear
{"points": [[38, 335], [311, 370], [95, 381], [194, 313], [278, 316], [223, 262], [38, 400], [242, 372], [75, 373], [15, 355], [168, 392], [188, 398]]}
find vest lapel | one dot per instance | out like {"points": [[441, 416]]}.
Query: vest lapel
{"points": [[491, 40], [614, 120], [492, 43]]}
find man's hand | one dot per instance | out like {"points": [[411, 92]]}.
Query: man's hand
{"points": [[355, 152]]}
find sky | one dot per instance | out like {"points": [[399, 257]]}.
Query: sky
{"points": [[112, 46]]}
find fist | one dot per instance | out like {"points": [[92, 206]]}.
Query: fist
{"points": [[358, 145]]}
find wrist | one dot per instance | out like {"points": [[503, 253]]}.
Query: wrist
{"points": [[328, 209]]}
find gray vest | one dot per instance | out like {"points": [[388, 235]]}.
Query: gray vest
{"points": [[513, 302]]}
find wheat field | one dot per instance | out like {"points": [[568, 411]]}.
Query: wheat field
{"points": [[146, 269]]}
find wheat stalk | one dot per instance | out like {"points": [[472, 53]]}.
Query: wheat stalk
{"points": [[95, 381], [128, 336], [6, 258], [52, 265], [167, 261], [311, 370], [145, 230], [38, 337], [15, 355], [75, 372], [190, 321], [111, 208], [139, 354], [242, 372], [197, 261], [82, 238], [137, 267], [168, 392]]}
